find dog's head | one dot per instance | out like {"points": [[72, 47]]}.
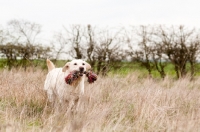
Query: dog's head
{"points": [[76, 65]]}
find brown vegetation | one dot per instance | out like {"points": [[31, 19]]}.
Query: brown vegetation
{"points": [[129, 103]]}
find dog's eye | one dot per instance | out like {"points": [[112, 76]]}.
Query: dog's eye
{"points": [[75, 63], [83, 63]]}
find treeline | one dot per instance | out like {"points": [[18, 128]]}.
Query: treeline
{"points": [[154, 47], [19, 44]]}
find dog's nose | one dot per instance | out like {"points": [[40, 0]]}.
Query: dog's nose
{"points": [[81, 69]]}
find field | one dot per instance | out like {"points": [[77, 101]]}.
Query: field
{"points": [[128, 103]]}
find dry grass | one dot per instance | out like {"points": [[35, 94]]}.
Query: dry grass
{"points": [[111, 104]]}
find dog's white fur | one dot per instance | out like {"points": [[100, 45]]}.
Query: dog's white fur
{"points": [[55, 84]]}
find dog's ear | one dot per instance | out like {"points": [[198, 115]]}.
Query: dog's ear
{"points": [[88, 66], [65, 67]]}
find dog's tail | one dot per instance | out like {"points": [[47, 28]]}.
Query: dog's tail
{"points": [[50, 65]]}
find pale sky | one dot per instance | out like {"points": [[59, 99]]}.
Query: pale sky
{"points": [[53, 14]]}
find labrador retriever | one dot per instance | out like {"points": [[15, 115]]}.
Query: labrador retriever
{"points": [[55, 84]]}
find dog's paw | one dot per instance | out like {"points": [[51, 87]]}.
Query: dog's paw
{"points": [[91, 76]]}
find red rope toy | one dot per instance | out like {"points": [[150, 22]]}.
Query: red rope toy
{"points": [[74, 75]]}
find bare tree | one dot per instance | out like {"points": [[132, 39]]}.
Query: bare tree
{"points": [[22, 44], [75, 35], [1, 36], [143, 55], [91, 43], [159, 60], [26, 32], [99, 47], [193, 54], [108, 50], [59, 45], [176, 43]]}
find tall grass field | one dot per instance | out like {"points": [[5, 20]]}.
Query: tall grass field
{"points": [[128, 103]]}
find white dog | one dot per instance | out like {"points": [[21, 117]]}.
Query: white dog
{"points": [[55, 84]]}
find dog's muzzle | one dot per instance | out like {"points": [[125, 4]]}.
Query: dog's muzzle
{"points": [[81, 69]]}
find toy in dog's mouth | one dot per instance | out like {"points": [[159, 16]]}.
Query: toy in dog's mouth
{"points": [[74, 75], [91, 76]]}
